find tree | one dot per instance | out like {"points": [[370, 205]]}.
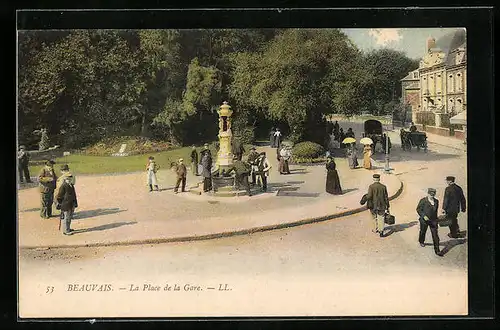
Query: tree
{"points": [[386, 67], [296, 78]]}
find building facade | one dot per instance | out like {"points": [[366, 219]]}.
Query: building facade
{"points": [[442, 82]]}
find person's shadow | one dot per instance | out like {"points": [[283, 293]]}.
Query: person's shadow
{"points": [[450, 244], [95, 213], [399, 227], [104, 227]]}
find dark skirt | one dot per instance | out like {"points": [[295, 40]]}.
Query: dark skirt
{"points": [[333, 183]]}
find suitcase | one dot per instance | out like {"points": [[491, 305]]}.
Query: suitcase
{"points": [[443, 221], [389, 219]]}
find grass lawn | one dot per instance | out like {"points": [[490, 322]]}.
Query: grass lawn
{"points": [[83, 164]]}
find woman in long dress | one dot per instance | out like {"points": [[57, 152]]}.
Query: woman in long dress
{"points": [[332, 178], [352, 157], [367, 153]]}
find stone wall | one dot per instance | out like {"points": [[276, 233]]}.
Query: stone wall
{"points": [[443, 131]]}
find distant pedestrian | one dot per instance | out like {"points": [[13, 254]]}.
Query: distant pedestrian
{"points": [[378, 203], [352, 157], [272, 141], [194, 161], [23, 158], [336, 127], [367, 154], [181, 172], [350, 133], [427, 210], [67, 202], [341, 138], [277, 138], [151, 169], [47, 183], [242, 171], [453, 203], [252, 160], [332, 178], [264, 166], [206, 163], [284, 158]]}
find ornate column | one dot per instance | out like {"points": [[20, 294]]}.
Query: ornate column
{"points": [[224, 155]]}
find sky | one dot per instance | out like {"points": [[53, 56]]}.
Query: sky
{"points": [[412, 41]]}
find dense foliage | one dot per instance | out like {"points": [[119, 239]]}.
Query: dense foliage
{"points": [[84, 85], [307, 150]]}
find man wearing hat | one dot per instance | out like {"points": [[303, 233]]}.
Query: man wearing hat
{"points": [[181, 176], [378, 201], [453, 203], [47, 184], [23, 159], [263, 166], [67, 202], [65, 172], [427, 210], [252, 160]]}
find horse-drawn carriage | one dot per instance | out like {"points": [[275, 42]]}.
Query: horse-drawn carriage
{"points": [[410, 139], [373, 129]]}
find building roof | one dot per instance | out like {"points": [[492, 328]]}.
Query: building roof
{"points": [[451, 58], [409, 76]]}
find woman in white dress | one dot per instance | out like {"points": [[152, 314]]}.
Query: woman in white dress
{"points": [[151, 169]]}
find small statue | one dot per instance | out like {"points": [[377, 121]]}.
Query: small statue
{"points": [[44, 140]]}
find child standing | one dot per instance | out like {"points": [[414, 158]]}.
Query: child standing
{"points": [[151, 169]]}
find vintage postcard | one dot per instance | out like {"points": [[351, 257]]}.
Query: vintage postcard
{"points": [[250, 172]]}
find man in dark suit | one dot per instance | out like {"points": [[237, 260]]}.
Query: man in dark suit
{"points": [[23, 158], [427, 210], [453, 203], [378, 203], [67, 202]]}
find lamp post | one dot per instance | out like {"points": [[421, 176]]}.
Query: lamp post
{"points": [[387, 168]]}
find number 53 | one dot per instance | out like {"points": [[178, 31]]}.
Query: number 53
{"points": [[50, 289]]}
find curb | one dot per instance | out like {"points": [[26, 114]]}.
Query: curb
{"points": [[217, 235]]}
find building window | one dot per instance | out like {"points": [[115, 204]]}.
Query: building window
{"points": [[450, 83], [459, 82]]}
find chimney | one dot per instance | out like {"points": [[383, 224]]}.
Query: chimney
{"points": [[431, 43]]}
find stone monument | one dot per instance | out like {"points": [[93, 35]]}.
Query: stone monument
{"points": [[225, 155]]}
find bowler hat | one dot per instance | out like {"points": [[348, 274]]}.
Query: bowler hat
{"points": [[431, 190], [450, 178], [65, 167], [376, 176], [22, 147]]}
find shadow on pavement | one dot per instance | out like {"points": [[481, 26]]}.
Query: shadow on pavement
{"points": [[399, 227], [31, 210], [448, 245], [104, 227], [96, 213], [346, 191], [296, 194]]}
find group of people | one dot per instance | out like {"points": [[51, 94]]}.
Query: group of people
{"points": [[377, 201], [64, 190]]}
